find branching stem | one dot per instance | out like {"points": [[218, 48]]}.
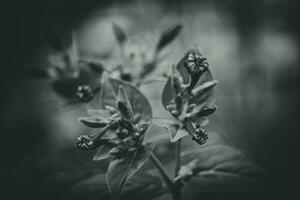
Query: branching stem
{"points": [[162, 171], [173, 187]]}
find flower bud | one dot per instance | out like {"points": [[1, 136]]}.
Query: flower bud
{"points": [[203, 88], [196, 63], [84, 142], [200, 137], [207, 110], [84, 93]]}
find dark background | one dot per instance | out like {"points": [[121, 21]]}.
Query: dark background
{"points": [[253, 48]]}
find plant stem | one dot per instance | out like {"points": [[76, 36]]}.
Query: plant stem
{"points": [[177, 157], [176, 185], [162, 170]]}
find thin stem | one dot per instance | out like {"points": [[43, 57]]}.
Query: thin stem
{"points": [[177, 157], [176, 193], [162, 170]]}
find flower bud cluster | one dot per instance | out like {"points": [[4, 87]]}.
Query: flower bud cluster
{"points": [[185, 107], [118, 129]]}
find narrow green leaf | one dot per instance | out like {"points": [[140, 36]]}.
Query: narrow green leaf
{"points": [[94, 122], [203, 88]]}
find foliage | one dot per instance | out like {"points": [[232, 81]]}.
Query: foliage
{"points": [[124, 116]]}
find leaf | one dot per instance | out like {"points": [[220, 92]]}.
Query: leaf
{"points": [[138, 101], [94, 122], [222, 168], [168, 36], [102, 153], [173, 128], [94, 67], [168, 95], [124, 104], [121, 170], [119, 34], [99, 113], [148, 68], [186, 171], [203, 88], [108, 94], [141, 186], [180, 134]]}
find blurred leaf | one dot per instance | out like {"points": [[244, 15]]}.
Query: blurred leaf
{"points": [[141, 186], [222, 168], [97, 68], [35, 73], [67, 87], [119, 34], [138, 101], [168, 36], [120, 170], [148, 68], [108, 95]]}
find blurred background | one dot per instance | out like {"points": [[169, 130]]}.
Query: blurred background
{"points": [[252, 48]]}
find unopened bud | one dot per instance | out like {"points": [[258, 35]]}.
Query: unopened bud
{"points": [[84, 93], [207, 110], [84, 142], [196, 63]]}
